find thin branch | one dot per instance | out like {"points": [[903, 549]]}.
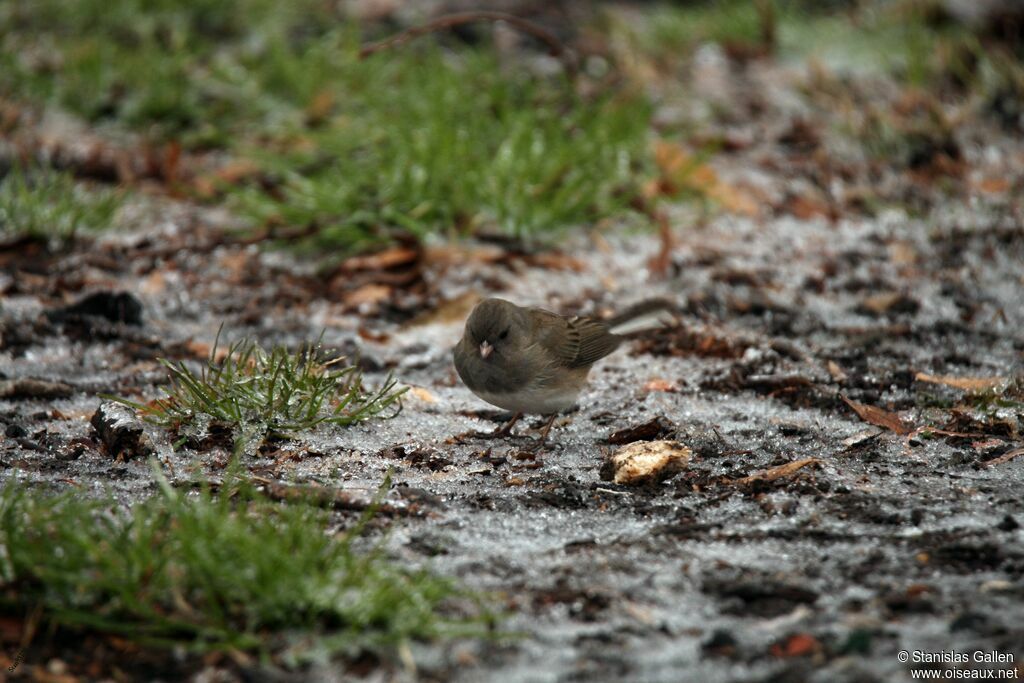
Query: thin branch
{"points": [[555, 47]]}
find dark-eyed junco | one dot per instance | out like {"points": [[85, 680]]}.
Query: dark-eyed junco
{"points": [[529, 360]]}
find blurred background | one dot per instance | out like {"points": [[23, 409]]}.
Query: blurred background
{"points": [[266, 109]]}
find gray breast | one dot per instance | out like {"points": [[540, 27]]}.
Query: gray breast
{"points": [[494, 375]]}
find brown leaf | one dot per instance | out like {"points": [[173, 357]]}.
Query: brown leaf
{"points": [[680, 172], [1005, 457], [879, 417], [368, 294], [797, 645], [232, 173], [448, 311], [971, 384], [889, 302], [202, 350], [554, 260], [903, 253], [993, 185], [421, 394], [836, 371], [786, 470], [806, 207], [373, 336], [382, 260], [659, 385]]}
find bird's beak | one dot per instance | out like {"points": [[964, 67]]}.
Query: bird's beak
{"points": [[485, 349]]}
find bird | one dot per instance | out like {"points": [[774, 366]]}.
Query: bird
{"points": [[530, 360]]}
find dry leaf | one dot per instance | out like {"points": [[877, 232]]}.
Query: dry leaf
{"points": [[448, 311], [797, 645], [807, 207], [373, 336], [860, 438], [902, 253], [679, 171], [155, 283], [421, 394], [971, 384], [786, 470], [648, 461], [885, 302], [993, 185], [368, 294], [202, 350], [879, 417], [554, 261], [382, 260], [659, 385], [836, 371], [231, 173]]}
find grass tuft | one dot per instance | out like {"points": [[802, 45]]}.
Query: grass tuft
{"points": [[208, 573], [257, 393], [46, 204]]}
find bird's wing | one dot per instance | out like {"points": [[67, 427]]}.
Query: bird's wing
{"points": [[576, 342]]}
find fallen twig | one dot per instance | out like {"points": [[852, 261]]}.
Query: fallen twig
{"points": [[1005, 457], [319, 496]]}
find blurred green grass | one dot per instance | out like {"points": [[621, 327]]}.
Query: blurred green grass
{"points": [[438, 136], [420, 138], [48, 205]]}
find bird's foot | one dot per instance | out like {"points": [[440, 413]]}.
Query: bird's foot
{"points": [[503, 431]]}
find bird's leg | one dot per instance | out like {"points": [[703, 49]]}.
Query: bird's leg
{"points": [[546, 429], [501, 431], [538, 445], [506, 428]]}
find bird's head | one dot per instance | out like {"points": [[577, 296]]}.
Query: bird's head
{"points": [[494, 327]]}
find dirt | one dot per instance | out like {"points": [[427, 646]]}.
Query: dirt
{"points": [[729, 570]]}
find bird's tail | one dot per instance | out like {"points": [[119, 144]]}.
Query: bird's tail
{"points": [[650, 314]]}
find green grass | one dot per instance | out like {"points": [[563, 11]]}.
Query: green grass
{"points": [[417, 139], [901, 38], [216, 572], [257, 392], [168, 68], [434, 143], [49, 205], [671, 31]]}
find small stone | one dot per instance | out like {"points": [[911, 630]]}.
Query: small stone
{"points": [[117, 307], [15, 431], [120, 431], [1008, 524]]}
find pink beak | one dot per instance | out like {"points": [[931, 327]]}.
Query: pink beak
{"points": [[485, 349]]}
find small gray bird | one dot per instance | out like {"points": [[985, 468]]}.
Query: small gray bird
{"points": [[529, 360]]}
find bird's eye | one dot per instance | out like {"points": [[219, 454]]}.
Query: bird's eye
{"points": [[504, 334]]}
